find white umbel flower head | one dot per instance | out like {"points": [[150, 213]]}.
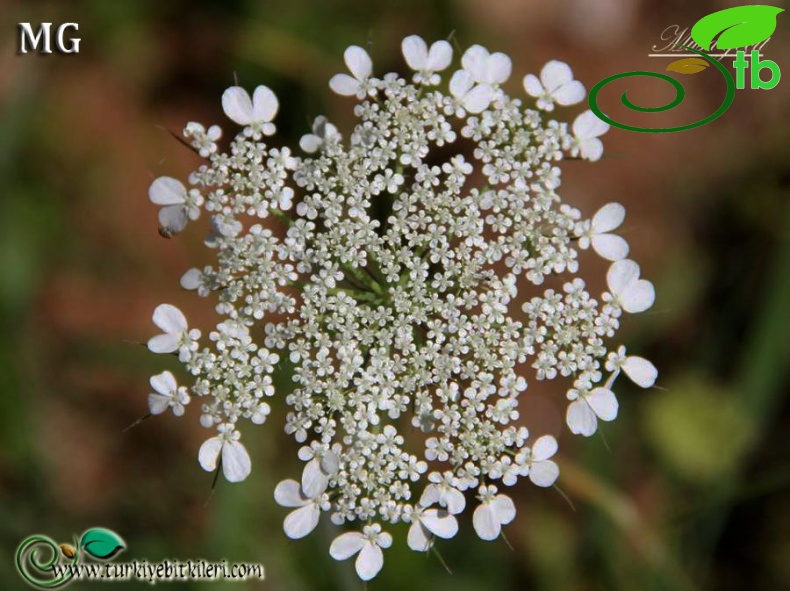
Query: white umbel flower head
{"points": [[556, 85], [368, 544], [400, 273]]}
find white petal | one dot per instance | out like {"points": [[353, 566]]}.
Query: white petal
{"points": [[344, 85], [157, 403], [236, 465], [440, 56], [610, 246], [591, 149], [478, 99], [415, 52], [310, 143], [301, 522], [430, 495], [504, 509], [621, 275], [164, 383], [640, 371], [264, 104], [570, 93], [455, 501], [581, 419], [532, 85], [237, 105], [638, 297], [474, 61], [461, 83], [358, 62], [604, 403], [209, 453], [485, 523], [331, 132], [192, 279], [543, 448], [608, 218], [306, 453], [173, 218], [369, 561], [314, 481], [288, 493], [170, 319], [320, 126], [167, 191], [588, 126], [418, 538], [544, 473], [384, 540], [259, 416], [498, 68], [555, 74], [346, 545], [164, 343], [440, 523], [330, 463]]}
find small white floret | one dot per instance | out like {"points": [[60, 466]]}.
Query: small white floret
{"points": [[556, 85], [256, 113], [360, 65], [236, 463], [587, 128], [631, 293]]}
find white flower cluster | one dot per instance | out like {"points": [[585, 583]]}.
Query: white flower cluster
{"points": [[392, 292]]}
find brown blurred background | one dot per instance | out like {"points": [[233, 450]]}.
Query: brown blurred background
{"points": [[688, 489]]}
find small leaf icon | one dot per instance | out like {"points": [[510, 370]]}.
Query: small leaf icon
{"points": [[736, 27], [68, 550], [101, 543], [688, 65]]}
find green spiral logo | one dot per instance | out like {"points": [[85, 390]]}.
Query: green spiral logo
{"points": [[37, 556], [680, 94], [35, 559]]}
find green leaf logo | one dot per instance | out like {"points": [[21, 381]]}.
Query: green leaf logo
{"points": [[101, 543], [689, 65], [736, 27]]}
